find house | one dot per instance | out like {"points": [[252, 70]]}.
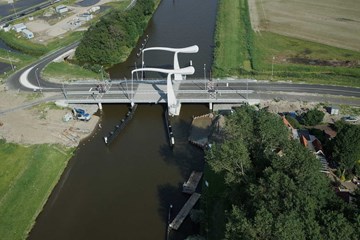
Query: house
{"points": [[94, 9], [61, 9], [19, 27], [28, 34], [333, 110], [5, 27], [85, 17]]}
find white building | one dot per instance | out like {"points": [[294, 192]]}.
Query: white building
{"points": [[94, 9], [61, 9], [28, 34], [19, 27], [85, 17]]}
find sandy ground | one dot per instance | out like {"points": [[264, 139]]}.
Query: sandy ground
{"points": [[45, 31], [36, 126], [332, 22]]}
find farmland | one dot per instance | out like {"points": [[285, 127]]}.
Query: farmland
{"points": [[330, 22], [250, 49]]}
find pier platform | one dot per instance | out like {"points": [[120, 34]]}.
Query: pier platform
{"points": [[192, 183], [200, 130], [178, 220]]}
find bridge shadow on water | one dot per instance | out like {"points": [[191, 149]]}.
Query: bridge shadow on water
{"points": [[186, 158]]}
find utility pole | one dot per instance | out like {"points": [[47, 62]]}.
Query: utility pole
{"points": [[37, 78], [12, 66], [272, 67], [205, 75]]}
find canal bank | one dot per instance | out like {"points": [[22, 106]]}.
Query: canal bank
{"points": [[112, 192], [124, 191]]}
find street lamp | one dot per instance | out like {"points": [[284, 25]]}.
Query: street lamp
{"points": [[168, 222], [37, 78], [12, 66], [102, 72], [205, 75], [132, 87]]}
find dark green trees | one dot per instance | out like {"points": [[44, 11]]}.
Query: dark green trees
{"points": [[346, 148], [313, 117], [111, 39], [274, 187]]}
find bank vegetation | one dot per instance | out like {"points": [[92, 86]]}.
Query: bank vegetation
{"points": [[241, 52], [28, 175], [263, 185]]}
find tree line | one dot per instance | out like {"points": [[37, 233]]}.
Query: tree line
{"points": [[111, 39], [273, 186]]}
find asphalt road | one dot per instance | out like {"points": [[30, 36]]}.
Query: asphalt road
{"points": [[261, 89]]}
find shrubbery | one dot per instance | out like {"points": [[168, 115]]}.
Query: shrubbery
{"points": [[111, 39]]}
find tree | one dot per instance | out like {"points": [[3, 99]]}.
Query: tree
{"points": [[346, 150], [110, 40], [231, 158], [313, 117], [277, 196]]}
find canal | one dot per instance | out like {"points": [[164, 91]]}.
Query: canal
{"points": [[124, 191]]}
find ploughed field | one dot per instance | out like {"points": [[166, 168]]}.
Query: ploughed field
{"points": [[331, 22]]}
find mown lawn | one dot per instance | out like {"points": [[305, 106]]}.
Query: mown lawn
{"points": [[27, 176], [69, 72], [264, 55], [213, 204]]}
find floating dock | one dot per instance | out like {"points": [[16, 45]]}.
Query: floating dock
{"points": [[113, 134], [175, 224], [192, 183]]}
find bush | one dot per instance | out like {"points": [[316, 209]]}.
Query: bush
{"points": [[313, 117], [293, 122]]}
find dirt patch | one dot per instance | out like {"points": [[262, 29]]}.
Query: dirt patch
{"points": [[332, 63], [52, 24], [41, 125], [331, 22]]}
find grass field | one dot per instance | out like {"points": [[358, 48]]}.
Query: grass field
{"points": [[69, 72], [331, 22], [244, 53], [27, 177]]}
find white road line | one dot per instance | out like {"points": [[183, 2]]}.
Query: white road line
{"points": [[24, 80]]}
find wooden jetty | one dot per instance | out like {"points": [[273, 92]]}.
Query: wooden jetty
{"points": [[191, 184], [178, 220], [113, 134]]}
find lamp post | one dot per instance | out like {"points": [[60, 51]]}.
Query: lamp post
{"points": [[205, 75], [37, 78], [168, 222], [12, 66], [132, 87], [142, 63], [102, 73]]}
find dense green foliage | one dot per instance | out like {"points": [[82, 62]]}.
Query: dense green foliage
{"points": [[243, 53], [111, 39], [273, 186], [27, 177], [294, 123], [345, 148], [313, 117]]}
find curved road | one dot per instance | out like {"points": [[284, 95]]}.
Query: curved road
{"points": [[28, 79]]}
